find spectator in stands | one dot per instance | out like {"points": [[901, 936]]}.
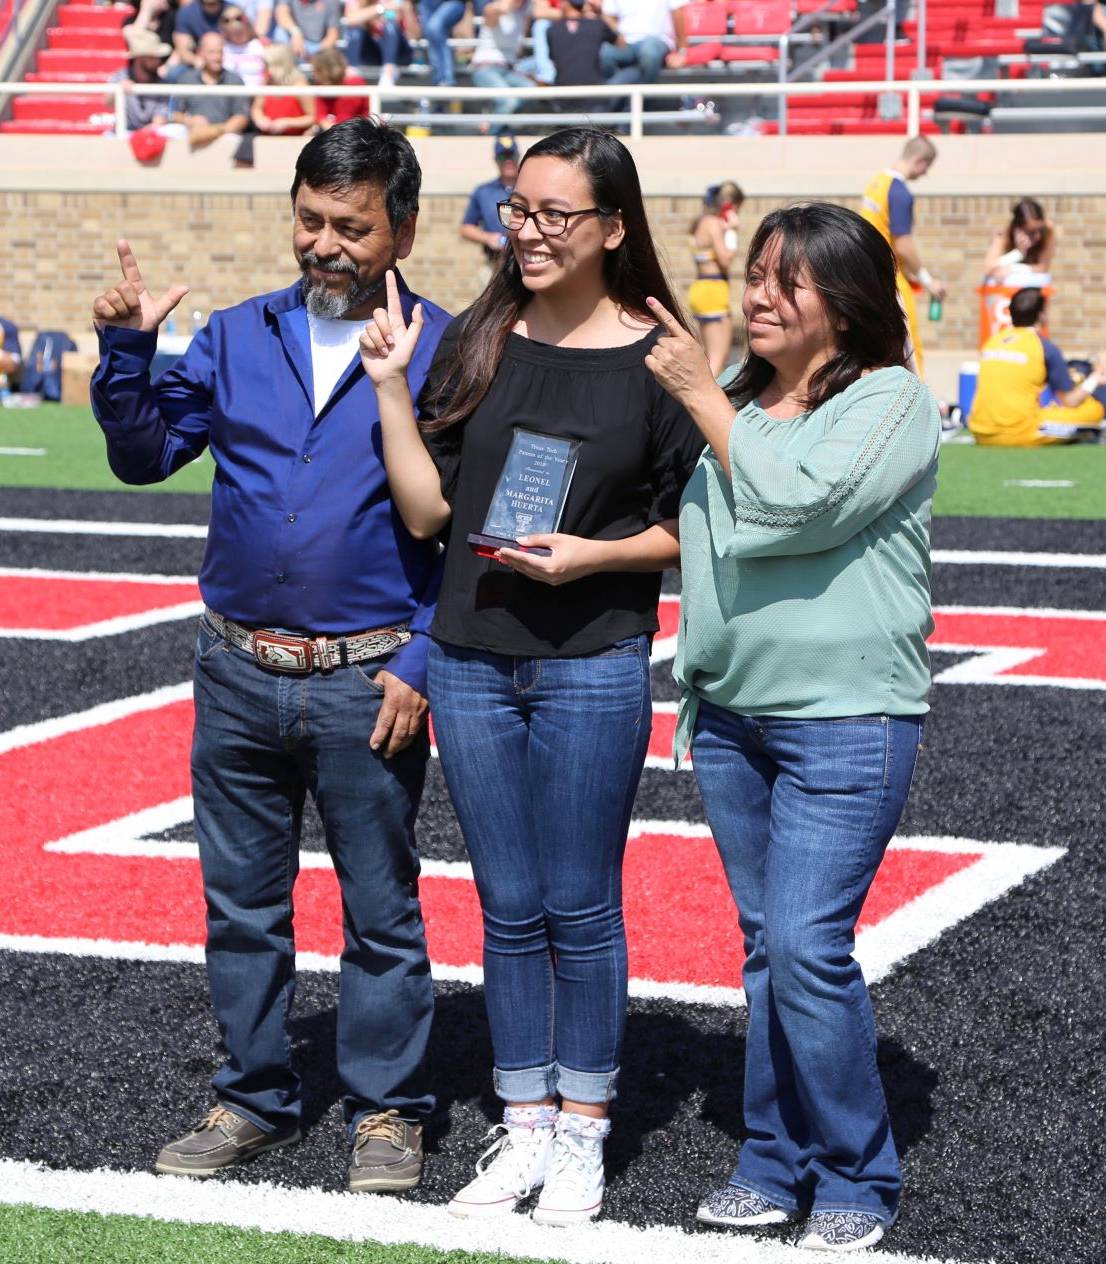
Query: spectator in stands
{"points": [[194, 21], [804, 537], [481, 222], [1026, 245], [888, 204], [375, 36], [539, 65], [1015, 366], [11, 358], [714, 248], [159, 16], [497, 51], [146, 56], [209, 117], [575, 43], [283, 116], [243, 52], [652, 34], [437, 19], [331, 70], [308, 25]]}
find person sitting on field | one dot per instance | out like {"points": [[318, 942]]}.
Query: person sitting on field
{"points": [[1015, 366]]}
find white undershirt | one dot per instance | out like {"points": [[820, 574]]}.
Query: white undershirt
{"points": [[333, 345]]}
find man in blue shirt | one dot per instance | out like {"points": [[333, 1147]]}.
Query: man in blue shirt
{"points": [[311, 657], [193, 22], [481, 220]]}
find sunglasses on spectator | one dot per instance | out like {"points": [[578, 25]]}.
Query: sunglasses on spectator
{"points": [[229, 19]]}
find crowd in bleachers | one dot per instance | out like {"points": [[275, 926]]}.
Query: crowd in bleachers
{"points": [[504, 45]]}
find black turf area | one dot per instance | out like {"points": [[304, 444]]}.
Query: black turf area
{"points": [[992, 1039]]}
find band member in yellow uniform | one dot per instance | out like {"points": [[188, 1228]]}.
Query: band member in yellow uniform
{"points": [[889, 205], [1015, 366]]}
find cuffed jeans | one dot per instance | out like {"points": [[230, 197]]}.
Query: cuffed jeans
{"points": [[261, 741], [802, 811], [640, 62], [543, 757]]}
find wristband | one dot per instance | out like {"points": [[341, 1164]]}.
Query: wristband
{"points": [[926, 278], [1090, 383]]}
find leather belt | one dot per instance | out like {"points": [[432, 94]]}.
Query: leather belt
{"points": [[300, 655]]}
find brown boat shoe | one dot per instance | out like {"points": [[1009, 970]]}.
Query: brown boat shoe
{"points": [[221, 1139], [387, 1154]]}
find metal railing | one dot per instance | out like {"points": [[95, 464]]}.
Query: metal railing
{"points": [[635, 118]]}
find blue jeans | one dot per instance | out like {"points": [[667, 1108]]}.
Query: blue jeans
{"points": [[802, 811], [543, 757], [387, 48], [437, 19], [540, 62], [500, 77], [633, 63], [261, 741]]}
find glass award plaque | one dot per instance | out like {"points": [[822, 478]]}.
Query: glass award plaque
{"points": [[530, 494]]}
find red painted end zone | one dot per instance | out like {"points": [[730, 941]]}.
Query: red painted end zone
{"points": [[681, 922], [58, 605]]}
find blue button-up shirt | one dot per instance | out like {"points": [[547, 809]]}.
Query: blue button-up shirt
{"points": [[304, 535]]}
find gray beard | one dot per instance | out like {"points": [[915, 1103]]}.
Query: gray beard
{"points": [[330, 304]]}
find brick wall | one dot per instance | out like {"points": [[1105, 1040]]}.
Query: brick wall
{"points": [[58, 249]]}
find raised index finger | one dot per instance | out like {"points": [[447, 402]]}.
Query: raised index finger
{"points": [[671, 324], [395, 307], [128, 262]]}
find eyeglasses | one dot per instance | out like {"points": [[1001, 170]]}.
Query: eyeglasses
{"points": [[549, 223]]}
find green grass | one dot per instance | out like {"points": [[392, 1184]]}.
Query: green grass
{"points": [[978, 481], [75, 453], [31, 1235], [973, 481]]}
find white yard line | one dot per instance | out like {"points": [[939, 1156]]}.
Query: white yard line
{"points": [[194, 531], [78, 526], [379, 1218], [22, 451]]}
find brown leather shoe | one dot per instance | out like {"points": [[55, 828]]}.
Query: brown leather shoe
{"points": [[387, 1154], [219, 1140]]}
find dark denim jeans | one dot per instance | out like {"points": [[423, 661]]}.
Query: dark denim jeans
{"points": [[262, 740], [543, 758], [802, 811]]}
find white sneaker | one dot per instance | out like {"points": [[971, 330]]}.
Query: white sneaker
{"points": [[514, 1164], [574, 1181]]}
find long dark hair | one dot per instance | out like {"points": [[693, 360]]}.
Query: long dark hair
{"points": [[853, 269], [632, 272], [1024, 210]]}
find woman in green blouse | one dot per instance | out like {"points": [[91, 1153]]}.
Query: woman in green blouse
{"points": [[805, 552]]}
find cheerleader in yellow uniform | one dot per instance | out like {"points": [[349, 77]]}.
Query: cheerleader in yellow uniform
{"points": [[714, 248]]}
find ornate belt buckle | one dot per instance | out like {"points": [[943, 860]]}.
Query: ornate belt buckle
{"points": [[282, 653]]}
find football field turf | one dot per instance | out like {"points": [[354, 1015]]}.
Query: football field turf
{"points": [[982, 937]]}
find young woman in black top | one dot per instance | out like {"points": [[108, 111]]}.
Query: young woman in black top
{"points": [[539, 668]]}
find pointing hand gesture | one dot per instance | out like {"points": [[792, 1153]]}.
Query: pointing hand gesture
{"points": [[129, 304], [387, 341], [677, 360]]}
